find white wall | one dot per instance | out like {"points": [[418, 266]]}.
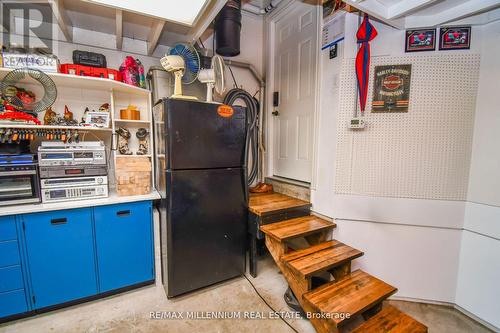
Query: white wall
{"points": [[478, 289], [432, 250], [411, 243]]}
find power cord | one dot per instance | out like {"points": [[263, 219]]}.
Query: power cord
{"points": [[268, 305], [232, 74]]}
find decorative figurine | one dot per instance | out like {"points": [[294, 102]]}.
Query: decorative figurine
{"points": [[123, 138], [50, 117], [142, 134], [84, 117], [68, 115], [104, 107]]}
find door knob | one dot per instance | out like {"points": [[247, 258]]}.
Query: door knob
{"points": [[275, 113]]}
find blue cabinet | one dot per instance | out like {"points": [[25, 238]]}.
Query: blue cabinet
{"points": [[124, 244], [55, 257], [61, 258], [12, 291]]}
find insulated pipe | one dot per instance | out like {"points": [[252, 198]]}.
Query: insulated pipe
{"points": [[262, 103]]}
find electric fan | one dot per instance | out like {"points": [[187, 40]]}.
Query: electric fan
{"points": [[184, 62], [214, 77], [19, 99]]}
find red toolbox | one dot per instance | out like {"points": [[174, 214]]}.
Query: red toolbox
{"points": [[80, 70]]}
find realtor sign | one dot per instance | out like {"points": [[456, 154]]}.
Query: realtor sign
{"points": [[391, 92]]}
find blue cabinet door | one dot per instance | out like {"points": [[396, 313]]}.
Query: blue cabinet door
{"points": [[61, 256], [124, 244], [12, 291]]}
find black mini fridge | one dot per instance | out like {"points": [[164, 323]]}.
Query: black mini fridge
{"points": [[202, 179]]}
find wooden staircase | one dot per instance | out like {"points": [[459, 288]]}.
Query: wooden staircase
{"points": [[348, 294]]}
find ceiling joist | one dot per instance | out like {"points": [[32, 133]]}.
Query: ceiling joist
{"points": [[376, 10], [119, 29], [464, 10], [62, 19], [154, 35], [203, 22], [406, 7]]}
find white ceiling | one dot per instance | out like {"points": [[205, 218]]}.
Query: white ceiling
{"points": [[181, 12], [406, 14]]}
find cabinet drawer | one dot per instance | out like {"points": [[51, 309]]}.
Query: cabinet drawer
{"points": [[9, 253], [12, 302], [11, 278], [7, 228], [124, 244]]}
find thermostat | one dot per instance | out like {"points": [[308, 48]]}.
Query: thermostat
{"points": [[357, 123]]}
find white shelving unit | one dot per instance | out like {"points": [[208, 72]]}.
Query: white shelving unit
{"points": [[80, 92]]}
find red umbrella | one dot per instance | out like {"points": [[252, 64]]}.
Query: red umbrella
{"points": [[365, 34]]}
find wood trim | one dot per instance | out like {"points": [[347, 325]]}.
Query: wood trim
{"points": [[154, 35], [119, 28], [62, 19]]}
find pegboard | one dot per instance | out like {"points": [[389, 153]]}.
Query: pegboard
{"points": [[424, 153]]}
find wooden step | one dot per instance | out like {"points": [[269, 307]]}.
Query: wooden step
{"points": [[297, 227], [321, 257], [391, 320], [271, 203], [353, 295]]}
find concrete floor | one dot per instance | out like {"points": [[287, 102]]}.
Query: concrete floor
{"points": [[130, 312]]}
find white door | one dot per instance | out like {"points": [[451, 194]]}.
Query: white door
{"points": [[295, 50]]}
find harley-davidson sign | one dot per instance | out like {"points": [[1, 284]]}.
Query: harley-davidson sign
{"points": [[392, 88]]}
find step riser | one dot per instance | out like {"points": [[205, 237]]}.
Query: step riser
{"points": [[330, 256]]}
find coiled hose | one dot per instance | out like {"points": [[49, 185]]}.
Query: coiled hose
{"points": [[252, 143]]}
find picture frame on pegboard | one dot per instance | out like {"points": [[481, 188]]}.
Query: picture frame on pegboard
{"points": [[418, 40], [454, 38]]}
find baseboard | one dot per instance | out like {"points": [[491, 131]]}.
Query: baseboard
{"points": [[290, 187], [450, 305], [476, 318], [290, 181]]}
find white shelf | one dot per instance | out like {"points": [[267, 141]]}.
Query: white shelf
{"points": [[125, 121], [87, 82], [53, 127]]}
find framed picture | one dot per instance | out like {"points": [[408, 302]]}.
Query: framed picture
{"points": [[391, 91], [420, 40], [454, 38], [97, 119]]}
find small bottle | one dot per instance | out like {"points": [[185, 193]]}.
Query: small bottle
{"points": [[142, 78]]}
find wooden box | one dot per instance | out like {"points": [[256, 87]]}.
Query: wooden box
{"points": [[129, 114], [133, 175]]}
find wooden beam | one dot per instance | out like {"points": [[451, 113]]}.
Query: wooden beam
{"points": [[406, 7], [480, 19], [119, 28], [203, 21], [154, 35], [62, 19], [467, 9], [376, 10]]}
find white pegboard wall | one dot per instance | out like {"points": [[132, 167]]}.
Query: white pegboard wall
{"points": [[424, 153]]}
